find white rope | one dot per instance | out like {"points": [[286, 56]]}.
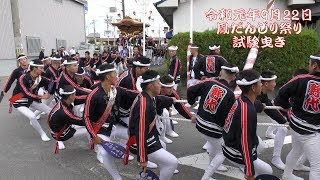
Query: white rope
{"points": [[274, 107], [272, 124], [267, 107], [177, 119], [181, 101], [259, 124]]}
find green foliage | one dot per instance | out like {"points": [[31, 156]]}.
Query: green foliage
{"points": [[91, 41], [295, 54]]}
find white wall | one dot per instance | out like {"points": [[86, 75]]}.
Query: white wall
{"points": [[7, 48], [49, 20], [201, 22]]}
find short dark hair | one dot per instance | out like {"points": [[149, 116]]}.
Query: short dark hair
{"points": [[142, 59], [103, 67], [248, 75], [166, 79], [66, 57], [87, 52], [67, 88], [315, 60], [95, 54], [299, 72], [149, 74], [229, 65], [36, 61], [267, 74], [69, 60]]}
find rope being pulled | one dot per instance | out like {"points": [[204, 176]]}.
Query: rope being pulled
{"points": [[267, 107], [259, 124]]}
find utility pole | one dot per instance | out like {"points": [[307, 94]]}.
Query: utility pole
{"points": [[123, 10], [159, 43], [144, 27], [94, 30]]}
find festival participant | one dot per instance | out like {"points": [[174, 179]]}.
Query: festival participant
{"points": [[144, 138], [240, 129], [26, 96], [301, 93], [215, 103]]}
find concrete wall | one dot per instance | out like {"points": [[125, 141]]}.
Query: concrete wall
{"points": [[201, 22], [49, 20], [7, 50]]}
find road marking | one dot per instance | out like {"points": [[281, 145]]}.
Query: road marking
{"points": [[270, 142], [201, 160]]}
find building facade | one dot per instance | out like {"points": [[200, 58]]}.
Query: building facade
{"points": [[177, 12], [27, 26]]}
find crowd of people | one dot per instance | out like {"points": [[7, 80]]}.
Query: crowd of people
{"points": [[104, 96]]}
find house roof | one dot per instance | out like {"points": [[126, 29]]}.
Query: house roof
{"points": [[81, 1], [91, 35], [166, 9]]}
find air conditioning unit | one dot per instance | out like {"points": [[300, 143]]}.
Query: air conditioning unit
{"points": [[300, 2], [113, 9]]}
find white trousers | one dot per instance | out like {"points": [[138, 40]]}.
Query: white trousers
{"points": [[175, 87], [308, 144], [78, 110], [278, 139], [167, 163], [80, 132], [167, 122], [120, 48], [47, 102], [130, 48], [108, 160], [262, 146], [32, 116], [192, 82], [216, 156], [149, 53], [260, 167], [120, 132]]}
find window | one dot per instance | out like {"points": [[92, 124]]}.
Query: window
{"points": [[107, 33], [61, 43], [33, 46]]}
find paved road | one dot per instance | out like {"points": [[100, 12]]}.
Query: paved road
{"points": [[25, 156]]}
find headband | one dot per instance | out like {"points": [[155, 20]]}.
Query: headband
{"points": [[62, 92], [315, 57], [232, 69], [212, 48], [269, 79], [244, 82], [105, 71], [138, 63], [65, 62], [168, 85], [149, 80], [37, 65]]}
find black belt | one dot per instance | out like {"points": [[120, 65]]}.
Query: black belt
{"points": [[123, 124]]}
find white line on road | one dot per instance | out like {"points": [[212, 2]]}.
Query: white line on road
{"points": [[270, 142], [201, 160]]}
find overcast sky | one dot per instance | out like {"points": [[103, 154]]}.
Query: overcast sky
{"points": [[97, 9]]}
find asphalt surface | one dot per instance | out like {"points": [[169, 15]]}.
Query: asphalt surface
{"points": [[25, 156]]}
